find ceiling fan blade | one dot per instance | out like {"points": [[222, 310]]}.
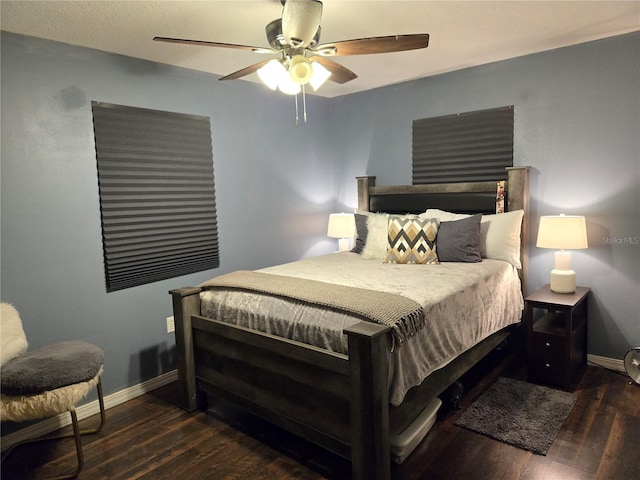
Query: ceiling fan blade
{"points": [[339, 74], [365, 46], [213, 44], [300, 21], [245, 71]]}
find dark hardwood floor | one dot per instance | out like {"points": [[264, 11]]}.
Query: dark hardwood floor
{"points": [[151, 438]]}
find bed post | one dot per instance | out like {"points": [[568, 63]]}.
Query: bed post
{"points": [[518, 199], [369, 400], [186, 302], [364, 183]]}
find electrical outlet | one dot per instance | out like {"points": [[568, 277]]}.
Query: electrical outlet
{"points": [[171, 326]]}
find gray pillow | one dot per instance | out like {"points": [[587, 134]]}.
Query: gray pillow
{"points": [[459, 240], [361, 233]]}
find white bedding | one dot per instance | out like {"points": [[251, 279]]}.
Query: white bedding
{"points": [[463, 303]]}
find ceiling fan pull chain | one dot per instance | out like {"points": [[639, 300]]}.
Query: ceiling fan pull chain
{"points": [[297, 117], [304, 104]]}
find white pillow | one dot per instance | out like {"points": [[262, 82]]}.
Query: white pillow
{"points": [[499, 233], [500, 236], [442, 215], [13, 341], [377, 235]]}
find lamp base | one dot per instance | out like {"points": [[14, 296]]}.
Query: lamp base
{"points": [[563, 281], [343, 244]]}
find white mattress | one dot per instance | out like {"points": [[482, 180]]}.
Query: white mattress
{"points": [[463, 304]]}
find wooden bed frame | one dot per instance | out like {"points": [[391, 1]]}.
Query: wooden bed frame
{"points": [[337, 401]]}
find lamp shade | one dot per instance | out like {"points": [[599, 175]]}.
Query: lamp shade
{"points": [[341, 225], [320, 75], [288, 86], [271, 73], [562, 232]]}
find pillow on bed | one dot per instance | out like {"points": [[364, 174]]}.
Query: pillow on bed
{"points": [[459, 240], [361, 233], [375, 245], [442, 215], [412, 240], [499, 233], [500, 236]]}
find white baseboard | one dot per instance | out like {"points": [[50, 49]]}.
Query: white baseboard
{"points": [[606, 362], [87, 410]]}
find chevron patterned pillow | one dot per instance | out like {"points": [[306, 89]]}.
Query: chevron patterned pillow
{"points": [[412, 240]]}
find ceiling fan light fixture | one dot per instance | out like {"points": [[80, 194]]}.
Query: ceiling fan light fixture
{"points": [[300, 69], [288, 86], [320, 75], [272, 73]]}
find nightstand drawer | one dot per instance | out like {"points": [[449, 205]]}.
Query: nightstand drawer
{"points": [[547, 370], [548, 347]]}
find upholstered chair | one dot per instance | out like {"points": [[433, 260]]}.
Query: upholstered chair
{"points": [[46, 382]]}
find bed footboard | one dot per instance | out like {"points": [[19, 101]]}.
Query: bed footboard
{"points": [[337, 401]]}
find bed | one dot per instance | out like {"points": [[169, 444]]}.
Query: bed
{"points": [[345, 397]]}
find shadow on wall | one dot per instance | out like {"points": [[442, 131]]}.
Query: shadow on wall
{"points": [[151, 363]]}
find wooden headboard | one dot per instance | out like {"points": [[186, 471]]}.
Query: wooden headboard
{"points": [[471, 197]]}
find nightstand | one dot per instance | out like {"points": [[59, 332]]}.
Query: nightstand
{"points": [[556, 326]]}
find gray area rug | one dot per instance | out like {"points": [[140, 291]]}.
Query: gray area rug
{"points": [[519, 413]]}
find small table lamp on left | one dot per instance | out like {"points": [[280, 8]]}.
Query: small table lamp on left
{"points": [[342, 226]]}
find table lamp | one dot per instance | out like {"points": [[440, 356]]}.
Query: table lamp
{"points": [[562, 232], [342, 226]]}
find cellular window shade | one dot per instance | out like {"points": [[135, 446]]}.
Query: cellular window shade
{"points": [[157, 197], [465, 147]]}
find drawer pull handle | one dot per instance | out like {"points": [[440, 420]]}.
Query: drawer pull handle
{"points": [[547, 344], [547, 365]]}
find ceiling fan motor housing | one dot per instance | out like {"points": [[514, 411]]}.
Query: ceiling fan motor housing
{"points": [[300, 22], [275, 37]]}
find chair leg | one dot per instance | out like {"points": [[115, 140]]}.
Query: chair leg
{"points": [[76, 435], [102, 411], [80, 454], [88, 430]]}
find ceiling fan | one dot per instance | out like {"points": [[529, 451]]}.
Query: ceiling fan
{"points": [[302, 59]]}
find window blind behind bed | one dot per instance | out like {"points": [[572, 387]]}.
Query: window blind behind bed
{"points": [[157, 197], [463, 147]]}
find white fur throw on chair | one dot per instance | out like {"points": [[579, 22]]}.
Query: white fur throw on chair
{"points": [[48, 404], [13, 341]]}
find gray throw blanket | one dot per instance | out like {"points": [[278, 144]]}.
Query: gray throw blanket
{"points": [[404, 315]]}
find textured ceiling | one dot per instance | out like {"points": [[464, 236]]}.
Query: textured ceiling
{"points": [[462, 33]]}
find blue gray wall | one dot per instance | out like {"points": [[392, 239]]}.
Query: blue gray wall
{"points": [[274, 190], [576, 123]]}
